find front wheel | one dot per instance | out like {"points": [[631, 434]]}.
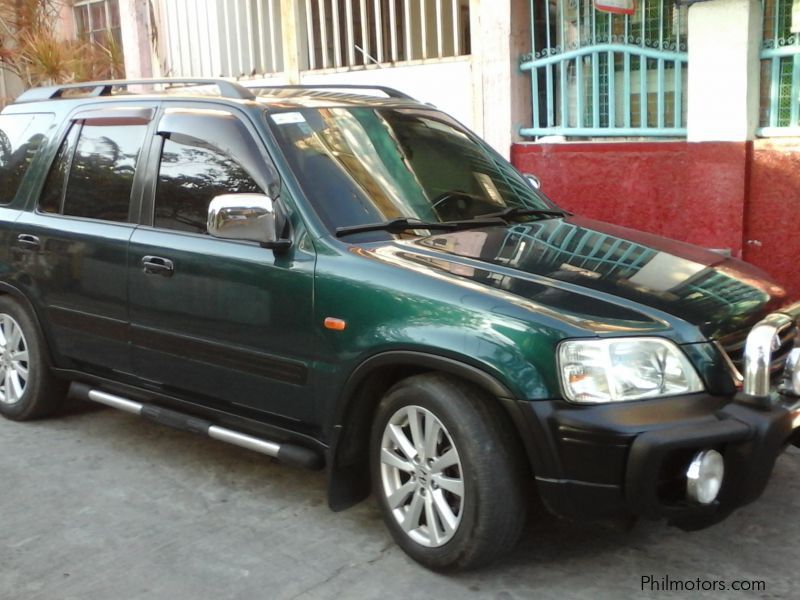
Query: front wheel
{"points": [[447, 473]]}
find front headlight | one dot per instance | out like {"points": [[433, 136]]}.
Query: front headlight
{"points": [[615, 370]]}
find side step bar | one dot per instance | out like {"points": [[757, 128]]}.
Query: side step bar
{"points": [[288, 453]]}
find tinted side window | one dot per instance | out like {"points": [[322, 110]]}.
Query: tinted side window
{"points": [[101, 175], [20, 138], [53, 192], [192, 172]]}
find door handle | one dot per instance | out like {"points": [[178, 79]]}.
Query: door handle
{"points": [[28, 241], [155, 265]]}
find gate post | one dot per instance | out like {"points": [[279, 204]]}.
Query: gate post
{"points": [[134, 17], [724, 43], [500, 32], [292, 34]]}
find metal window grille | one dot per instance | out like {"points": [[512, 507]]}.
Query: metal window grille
{"points": [[780, 71], [221, 38], [600, 74], [96, 20], [352, 33]]}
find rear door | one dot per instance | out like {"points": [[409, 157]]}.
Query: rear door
{"points": [[219, 321], [22, 137], [72, 247]]}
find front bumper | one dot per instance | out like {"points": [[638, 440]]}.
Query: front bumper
{"points": [[633, 462], [631, 458]]}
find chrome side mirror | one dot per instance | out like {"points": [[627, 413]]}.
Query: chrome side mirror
{"points": [[533, 180], [250, 217]]}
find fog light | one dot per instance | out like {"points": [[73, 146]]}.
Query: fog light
{"points": [[704, 476]]}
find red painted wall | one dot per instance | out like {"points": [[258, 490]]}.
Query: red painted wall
{"points": [[709, 193], [772, 222]]}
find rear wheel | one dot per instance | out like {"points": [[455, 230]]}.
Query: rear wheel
{"points": [[447, 473], [27, 388]]}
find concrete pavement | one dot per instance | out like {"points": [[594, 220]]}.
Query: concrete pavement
{"points": [[99, 505]]}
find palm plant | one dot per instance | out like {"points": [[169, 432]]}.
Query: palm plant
{"points": [[31, 49]]}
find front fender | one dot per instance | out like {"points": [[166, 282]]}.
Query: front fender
{"points": [[347, 455], [400, 321], [388, 309]]}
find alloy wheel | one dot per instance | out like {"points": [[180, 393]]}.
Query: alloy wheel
{"points": [[13, 360], [421, 476]]}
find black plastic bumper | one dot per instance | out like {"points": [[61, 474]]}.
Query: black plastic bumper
{"points": [[631, 459]]}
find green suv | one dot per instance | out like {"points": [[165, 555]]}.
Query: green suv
{"points": [[360, 284]]}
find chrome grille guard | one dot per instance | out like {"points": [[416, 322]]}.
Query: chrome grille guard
{"points": [[761, 342]]}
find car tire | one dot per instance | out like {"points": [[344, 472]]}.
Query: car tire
{"points": [[460, 467], [28, 390]]}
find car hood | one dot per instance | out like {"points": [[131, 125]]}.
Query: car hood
{"points": [[604, 273]]}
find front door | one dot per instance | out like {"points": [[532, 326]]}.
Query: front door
{"points": [[218, 321]]}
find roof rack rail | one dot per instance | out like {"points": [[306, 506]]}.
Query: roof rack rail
{"points": [[227, 89], [390, 92]]}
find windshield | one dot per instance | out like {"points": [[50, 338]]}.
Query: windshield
{"points": [[369, 165]]}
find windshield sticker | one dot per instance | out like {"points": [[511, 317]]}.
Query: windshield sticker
{"points": [[490, 188], [288, 118]]}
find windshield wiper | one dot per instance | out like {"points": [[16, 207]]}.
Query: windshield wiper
{"points": [[519, 211], [405, 224]]}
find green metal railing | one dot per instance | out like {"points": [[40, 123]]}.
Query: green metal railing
{"points": [[601, 74], [780, 71]]}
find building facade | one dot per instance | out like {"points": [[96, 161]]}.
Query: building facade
{"points": [[678, 120]]}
